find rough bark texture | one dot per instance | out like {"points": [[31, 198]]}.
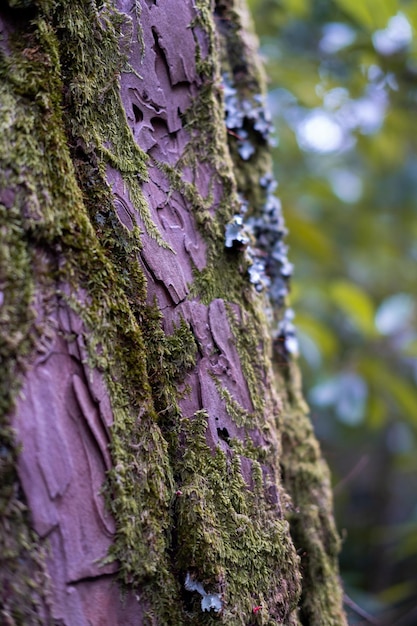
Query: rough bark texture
{"points": [[156, 455]]}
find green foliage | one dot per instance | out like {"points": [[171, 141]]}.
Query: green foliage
{"points": [[350, 208], [355, 304]]}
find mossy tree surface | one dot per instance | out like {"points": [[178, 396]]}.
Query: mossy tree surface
{"points": [[154, 441]]}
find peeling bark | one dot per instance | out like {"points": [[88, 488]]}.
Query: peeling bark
{"points": [[158, 465]]}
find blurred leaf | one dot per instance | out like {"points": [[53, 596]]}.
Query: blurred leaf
{"points": [[410, 349], [357, 10], [298, 8], [369, 14], [397, 593], [355, 303], [406, 545], [376, 411], [384, 147], [387, 381], [404, 394], [310, 238], [382, 10], [301, 74], [322, 336], [410, 10]]}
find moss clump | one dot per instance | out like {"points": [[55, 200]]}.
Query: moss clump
{"points": [[91, 59], [22, 579], [248, 334], [229, 538], [239, 415], [307, 480]]}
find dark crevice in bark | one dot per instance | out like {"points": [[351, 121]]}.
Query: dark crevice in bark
{"points": [[88, 579], [137, 113]]}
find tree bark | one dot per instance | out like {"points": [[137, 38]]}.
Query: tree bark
{"points": [[157, 462]]}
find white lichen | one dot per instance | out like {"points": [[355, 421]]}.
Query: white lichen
{"points": [[208, 600]]}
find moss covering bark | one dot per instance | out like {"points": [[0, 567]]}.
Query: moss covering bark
{"points": [[180, 507]]}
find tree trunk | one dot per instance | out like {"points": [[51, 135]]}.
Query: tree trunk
{"points": [[157, 462]]}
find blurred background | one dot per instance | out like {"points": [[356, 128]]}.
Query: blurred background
{"points": [[343, 95]]}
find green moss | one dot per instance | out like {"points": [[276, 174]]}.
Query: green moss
{"points": [[21, 559], [239, 415], [230, 538], [23, 578], [307, 480], [91, 65], [305, 475], [248, 337]]}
